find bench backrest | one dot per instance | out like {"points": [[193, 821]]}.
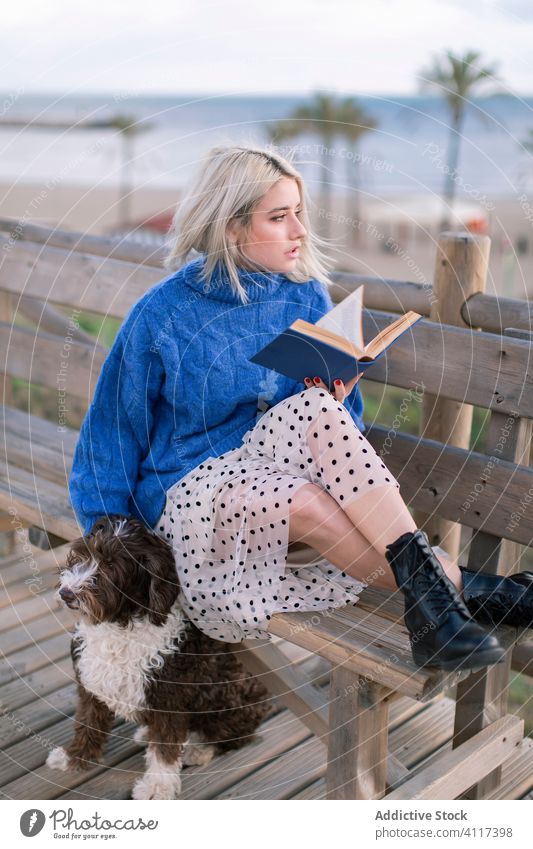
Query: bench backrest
{"points": [[468, 366]]}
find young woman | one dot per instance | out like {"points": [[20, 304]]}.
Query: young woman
{"points": [[230, 462]]}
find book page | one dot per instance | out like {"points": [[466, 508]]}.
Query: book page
{"points": [[346, 318], [389, 334], [327, 336]]}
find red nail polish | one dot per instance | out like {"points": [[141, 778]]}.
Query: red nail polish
{"points": [[317, 380], [337, 382]]}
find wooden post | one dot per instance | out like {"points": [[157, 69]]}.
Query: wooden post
{"points": [[7, 540], [460, 271], [358, 735], [6, 314], [483, 697]]}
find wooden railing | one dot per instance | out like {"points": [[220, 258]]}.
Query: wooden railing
{"points": [[487, 312], [471, 349]]}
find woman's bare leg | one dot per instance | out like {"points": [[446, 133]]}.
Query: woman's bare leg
{"points": [[316, 519], [382, 516]]}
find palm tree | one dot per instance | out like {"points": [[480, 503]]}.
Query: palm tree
{"points": [[458, 79], [330, 119], [356, 124], [527, 144], [128, 128]]}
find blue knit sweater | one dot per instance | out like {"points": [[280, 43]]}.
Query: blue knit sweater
{"points": [[177, 386]]}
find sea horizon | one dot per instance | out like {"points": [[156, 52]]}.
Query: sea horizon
{"points": [[405, 154]]}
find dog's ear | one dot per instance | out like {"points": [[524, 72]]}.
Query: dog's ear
{"points": [[164, 585]]}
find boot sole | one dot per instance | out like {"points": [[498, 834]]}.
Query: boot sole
{"points": [[476, 660]]}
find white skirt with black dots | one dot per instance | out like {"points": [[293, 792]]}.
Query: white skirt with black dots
{"points": [[228, 519]]}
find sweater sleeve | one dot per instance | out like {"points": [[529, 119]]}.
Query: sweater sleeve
{"points": [[114, 436], [320, 306]]}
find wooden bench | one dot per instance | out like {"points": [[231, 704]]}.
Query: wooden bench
{"points": [[366, 644]]}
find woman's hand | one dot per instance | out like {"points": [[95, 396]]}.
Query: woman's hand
{"points": [[341, 391]]}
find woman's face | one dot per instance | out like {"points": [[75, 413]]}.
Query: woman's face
{"points": [[276, 230]]}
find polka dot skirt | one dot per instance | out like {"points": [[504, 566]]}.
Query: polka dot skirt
{"points": [[228, 519]]}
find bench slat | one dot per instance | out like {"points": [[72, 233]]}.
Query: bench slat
{"points": [[444, 479], [472, 367], [433, 477], [360, 642], [38, 446], [38, 358], [98, 284], [498, 375], [454, 772], [44, 503]]}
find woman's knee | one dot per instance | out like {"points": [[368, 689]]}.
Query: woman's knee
{"points": [[310, 507], [321, 399], [323, 407]]}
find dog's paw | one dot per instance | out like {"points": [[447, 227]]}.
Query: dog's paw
{"points": [[157, 787], [58, 759], [197, 752], [198, 755], [141, 735]]}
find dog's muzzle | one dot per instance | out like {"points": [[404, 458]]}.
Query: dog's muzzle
{"points": [[69, 598]]}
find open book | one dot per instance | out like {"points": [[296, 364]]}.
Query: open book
{"points": [[333, 347]]}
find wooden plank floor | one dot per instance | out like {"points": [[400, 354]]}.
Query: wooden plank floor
{"points": [[37, 702]]}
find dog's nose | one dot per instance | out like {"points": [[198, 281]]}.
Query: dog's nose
{"points": [[67, 595]]}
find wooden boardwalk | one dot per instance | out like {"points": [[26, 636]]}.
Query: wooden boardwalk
{"points": [[37, 702]]}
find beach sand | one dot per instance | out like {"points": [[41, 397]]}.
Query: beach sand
{"points": [[358, 247], [86, 209]]}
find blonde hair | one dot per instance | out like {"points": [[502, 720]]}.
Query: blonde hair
{"points": [[230, 183]]}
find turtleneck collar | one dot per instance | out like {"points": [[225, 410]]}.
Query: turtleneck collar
{"points": [[257, 285]]}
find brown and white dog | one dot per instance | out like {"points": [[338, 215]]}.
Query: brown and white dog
{"points": [[137, 656]]}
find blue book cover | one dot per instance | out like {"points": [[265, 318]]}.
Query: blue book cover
{"points": [[306, 349]]}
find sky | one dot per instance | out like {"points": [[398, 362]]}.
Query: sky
{"points": [[248, 47]]}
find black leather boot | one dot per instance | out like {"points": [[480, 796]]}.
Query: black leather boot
{"points": [[441, 631], [499, 600]]}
